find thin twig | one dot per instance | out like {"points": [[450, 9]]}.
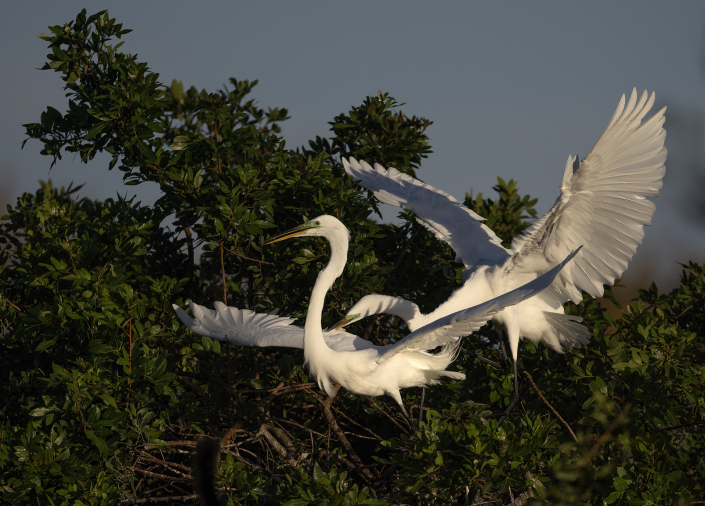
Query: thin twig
{"points": [[189, 246], [8, 301], [222, 272], [550, 407], [499, 415], [160, 476], [387, 415], [165, 463], [248, 258], [193, 386], [274, 443], [242, 459], [354, 422], [191, 444], [231, 432], [280, 390], [677, 427], [328, 414], [160, 499], [298, 425], [400, 257]]}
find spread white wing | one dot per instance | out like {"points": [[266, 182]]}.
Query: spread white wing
{"points": [[449, 328], [602, 205], [243, 327], [450, 220]]}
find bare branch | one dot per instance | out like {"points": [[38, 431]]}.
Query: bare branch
{"points": [[264, 430], [361, 470], [247, 258], [677, 427], [357, 424], [550, 407], [166, 464], [8, 301], [387, 415], [222, 271], [160, 499], [160, 476]]}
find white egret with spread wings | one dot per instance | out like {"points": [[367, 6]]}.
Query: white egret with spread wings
{"points": [[339, 357], [603, 206]]}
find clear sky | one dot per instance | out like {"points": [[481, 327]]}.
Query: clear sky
{"points": [[513, 88]]}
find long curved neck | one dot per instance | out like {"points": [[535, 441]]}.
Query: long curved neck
{"points": [[404, 309], [313, 332]]}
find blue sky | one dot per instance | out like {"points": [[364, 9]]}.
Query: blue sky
{"points": [[513, 88]]}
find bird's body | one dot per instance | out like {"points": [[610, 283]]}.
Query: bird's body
{"points": [[602, 206]]}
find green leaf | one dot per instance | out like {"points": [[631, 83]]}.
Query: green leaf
{"points": [[45, 344], [40, 411], [179, 142], [97, 128], [108, 400], [98, 442]]}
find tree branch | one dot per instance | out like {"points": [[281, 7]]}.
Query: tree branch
{"points": [[247, 258], [387, 415], [222, 272], [677, 427], [174, 499], [551, 407], [8, 301], [365, 473]]}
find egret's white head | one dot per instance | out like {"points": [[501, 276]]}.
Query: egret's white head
{"points": [[322, 226]]}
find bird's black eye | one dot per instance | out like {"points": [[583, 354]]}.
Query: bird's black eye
{"points": [[318, 222]]}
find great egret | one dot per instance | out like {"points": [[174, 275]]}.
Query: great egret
{"points": [[339, 357], [602, 206]]}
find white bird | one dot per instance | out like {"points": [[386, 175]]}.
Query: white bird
{"points": [[602, 206], [342, 358]]}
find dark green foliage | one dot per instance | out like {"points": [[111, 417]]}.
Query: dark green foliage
{"points": [[374, 132], [104, 392], [506, 215]]}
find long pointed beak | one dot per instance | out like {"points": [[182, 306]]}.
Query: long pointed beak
{"points": [[292, 232], [340, 324], [344, 321]]}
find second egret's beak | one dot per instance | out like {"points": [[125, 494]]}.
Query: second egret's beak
{"points": [[292, 232], [344, 321]]}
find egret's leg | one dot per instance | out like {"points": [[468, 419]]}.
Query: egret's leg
{"points": [[397, 397], [504, 350], [329, 400], [423, 398], [408, 417]]}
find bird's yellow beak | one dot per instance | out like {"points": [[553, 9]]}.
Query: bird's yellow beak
{"points": [[292, 232], [344, 321]]}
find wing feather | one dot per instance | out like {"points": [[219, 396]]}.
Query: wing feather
{"points": [[439, 212], [243, 327], [450, 328], [603, 203]]}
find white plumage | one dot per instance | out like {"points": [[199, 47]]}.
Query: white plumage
{"points": [[340, 357], [602, 206]]}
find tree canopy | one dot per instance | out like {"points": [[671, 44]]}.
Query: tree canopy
{"points": [[105, 393]]}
